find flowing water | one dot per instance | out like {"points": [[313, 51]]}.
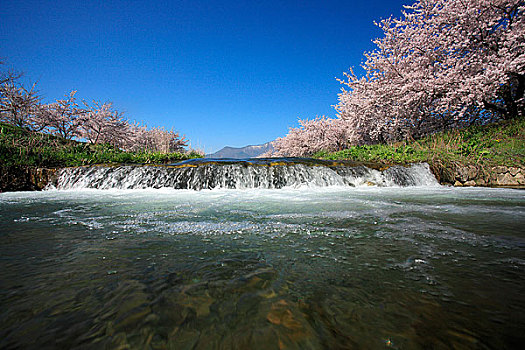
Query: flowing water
{"points": [[198, 174], [290, 263]]}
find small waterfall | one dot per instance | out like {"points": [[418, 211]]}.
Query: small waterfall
{"points": [[269, 173]]}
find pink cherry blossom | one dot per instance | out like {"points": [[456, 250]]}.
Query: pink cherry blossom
{"points": [[444, 64], [319, 134]]}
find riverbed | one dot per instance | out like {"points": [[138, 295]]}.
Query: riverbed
{"points": [[298, 268]]}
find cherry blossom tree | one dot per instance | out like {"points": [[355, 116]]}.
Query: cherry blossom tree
{"points": [[65, 116], [42, 117], [98, 123], [169, 141], [17, 104], [319, 134], [139, 140], [8, 75], [144, 139], [102, 124], [446, 63], [95, 122]]}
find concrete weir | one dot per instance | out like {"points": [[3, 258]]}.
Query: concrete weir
{"points": [[239, 174]]}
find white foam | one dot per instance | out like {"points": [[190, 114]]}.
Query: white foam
{"points": [[242, 176]]}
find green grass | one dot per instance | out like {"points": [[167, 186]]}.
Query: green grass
{"points": [[489, 145], [26, 148]]}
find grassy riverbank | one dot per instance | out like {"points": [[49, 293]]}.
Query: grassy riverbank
{"points": [[20, 147], [500, 144]]}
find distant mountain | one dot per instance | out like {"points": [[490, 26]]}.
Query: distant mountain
{"points": [[242, 152]]}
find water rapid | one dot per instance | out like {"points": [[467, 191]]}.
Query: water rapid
{"points": [[279, 256], [266, 174]]}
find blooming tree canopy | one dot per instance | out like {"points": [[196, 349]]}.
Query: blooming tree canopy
{"points": [[155, 140], [102, 124], [65, 116], [319, 134], [444, 64], [17, 104], [97, 123]]}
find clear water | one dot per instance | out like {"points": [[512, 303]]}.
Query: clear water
{"points": [[303, 268]]}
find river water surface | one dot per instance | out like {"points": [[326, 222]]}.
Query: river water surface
{"points": [[297, 268]]}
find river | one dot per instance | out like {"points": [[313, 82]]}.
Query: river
{"points": [[297, 267]]}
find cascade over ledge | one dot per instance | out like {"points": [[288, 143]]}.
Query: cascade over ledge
{"points": [[22, 178]]}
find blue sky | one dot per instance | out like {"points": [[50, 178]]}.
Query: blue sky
{"points": [[221, 72]]}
